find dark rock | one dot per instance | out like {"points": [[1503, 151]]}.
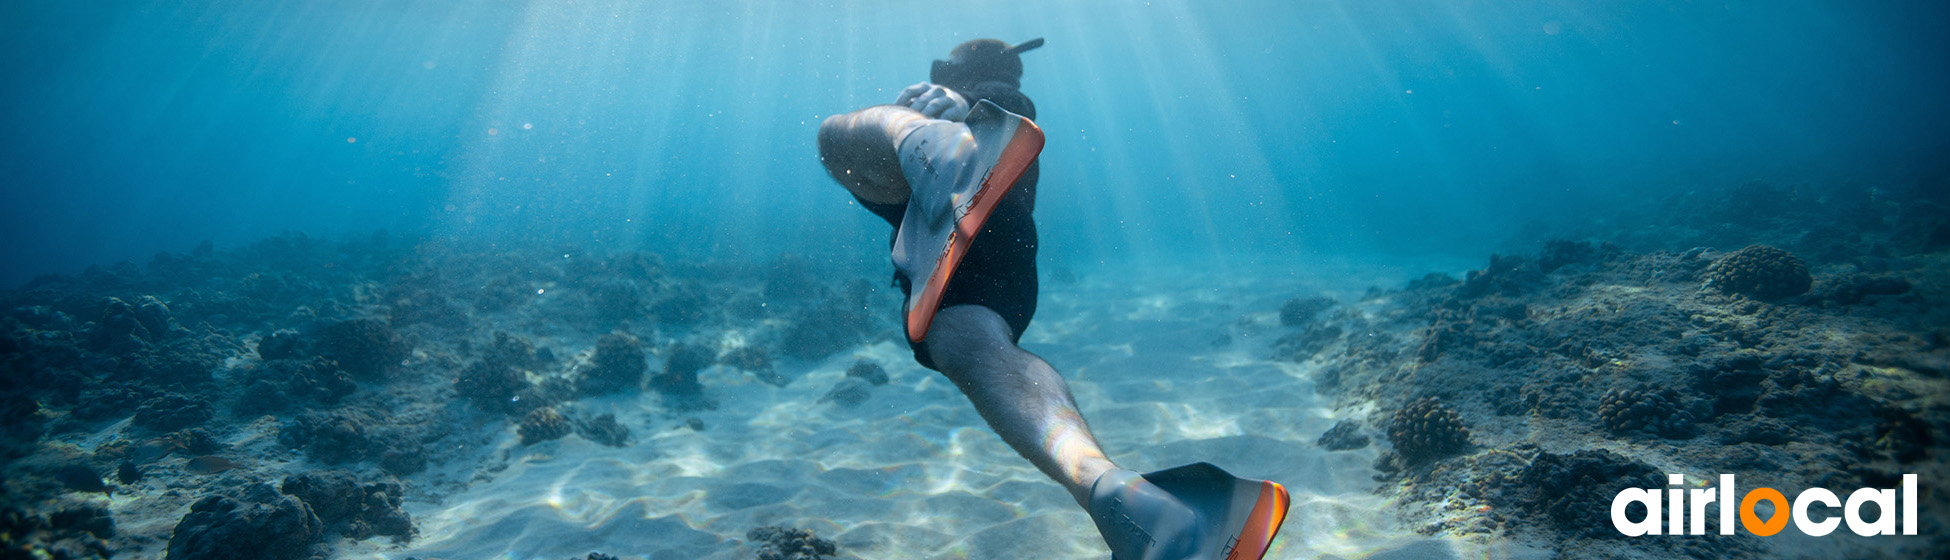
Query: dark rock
{"points": [[1303, 345], [1853, 289], [351, 508], [128, 473], [492, 385], [849, 393], [1506, 275], [1575, 491], [80, 478], [871, 372], [282, 345], [1759, 271], [1427, 429], [604, 430], [681, 364], [683, 305], [1301, 311], [780, 543], [170, 412], [329, 438], [1645, 410], [543, 424], [1558, 253], [618, 366], [1345, 435], [754, 360], [367, 348], [260, 524], [88, 518]]}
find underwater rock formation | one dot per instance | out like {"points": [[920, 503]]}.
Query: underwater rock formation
{"points": [[279, 384], [604, 430], [678, 382], [71, 534], [755, 361], [494, 386], [849, 393], [1760, 271], [170, 412], [1345, 435], [367, 348], [1298, 312], [1644, 410], [780, 543], [868, 371], [1852, 289], [1427, 429], [348, 507], [1575, 490], [256, 524], [618, 366], [281, 345], [543, 424], [328, 438]]}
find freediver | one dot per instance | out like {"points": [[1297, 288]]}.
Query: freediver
{"points": [[951, 164]]}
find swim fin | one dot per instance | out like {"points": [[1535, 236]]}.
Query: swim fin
{"points": [[958, 172], [1192, 512]]}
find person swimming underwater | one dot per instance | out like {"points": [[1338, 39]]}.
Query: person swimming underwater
{"points": [[951, 165]]}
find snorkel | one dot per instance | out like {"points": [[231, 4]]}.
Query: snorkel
{"points": [[982, 60]]}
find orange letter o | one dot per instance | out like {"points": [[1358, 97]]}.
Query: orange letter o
{"points": [[1752, 522]]}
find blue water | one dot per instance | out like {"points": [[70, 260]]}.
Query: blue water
{"points": [[1229, 130]]}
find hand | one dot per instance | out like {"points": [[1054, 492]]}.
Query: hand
{"points": [[933, 101]]}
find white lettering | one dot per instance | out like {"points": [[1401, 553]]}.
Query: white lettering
{"points": [[1648, 526], [1815, 495], [1727, 504], [1909, 504], [1885, 501], [1701, 497]]}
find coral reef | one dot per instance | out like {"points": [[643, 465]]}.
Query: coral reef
{"points": [[1644, 410], [543, 424], [1427, 429], [348, 507], [604, 430], [1298, 312], [494, 386], [1345, 435], [1760, 271], [71, 534], [170, 412], [1575, 490], [618, 366], [367, 348], [756, 361], [256, 524], [780, 543], [679, 379]]}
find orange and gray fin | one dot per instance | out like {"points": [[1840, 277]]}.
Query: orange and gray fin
{"points": [[1192, 512], [959, 172]]}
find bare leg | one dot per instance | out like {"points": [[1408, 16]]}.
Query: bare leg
{"points": [[861, 150], [1023, 399]]}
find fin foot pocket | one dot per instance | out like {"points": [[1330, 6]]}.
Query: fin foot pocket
{"points": [[958, 173], [1192, 512]]}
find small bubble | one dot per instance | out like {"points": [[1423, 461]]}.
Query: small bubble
{"points": [[350, 140], [539, 291], [527, 126], [492, 132]]}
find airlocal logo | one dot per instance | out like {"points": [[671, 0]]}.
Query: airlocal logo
{"points": [[1678, 498]]}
